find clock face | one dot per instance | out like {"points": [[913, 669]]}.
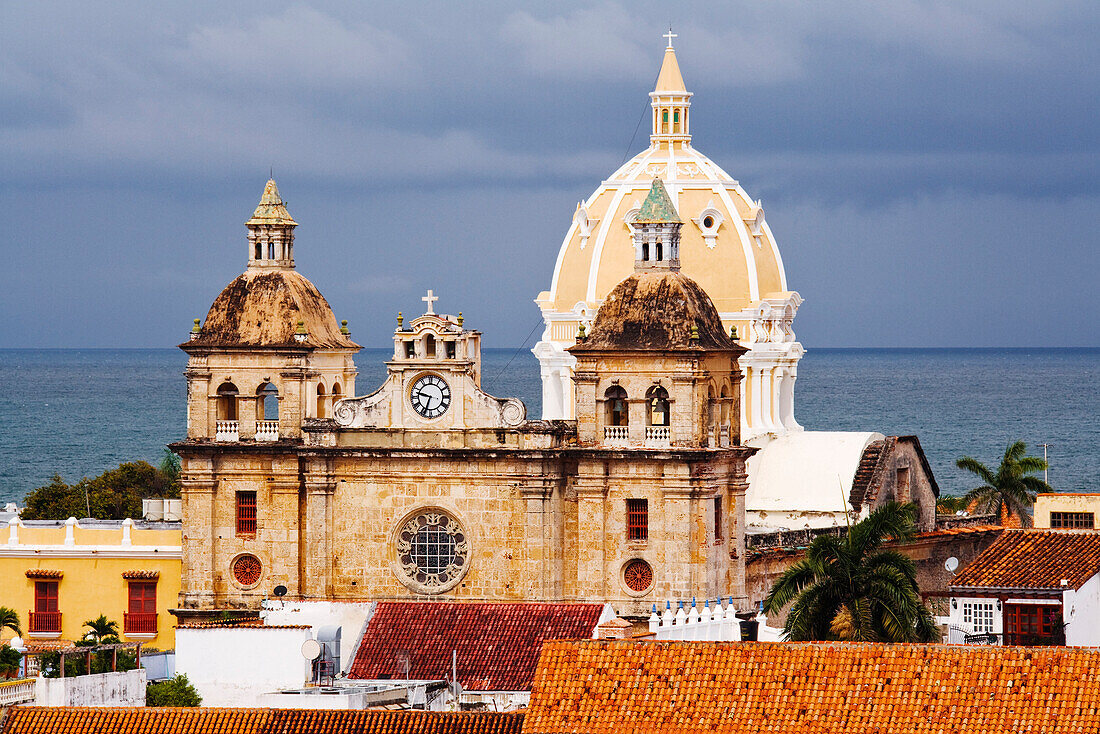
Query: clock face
{"points": [[430, 396]]}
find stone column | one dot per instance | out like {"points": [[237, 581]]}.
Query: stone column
{"points": [[679, 550], [198, 489], [315, 531], [247, 412], [199, 421], [290, 403], [591, 486], [539, 534], [735, 578]]}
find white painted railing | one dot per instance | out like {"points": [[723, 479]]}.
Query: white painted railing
{"points": [[227, 431], [714, 622], [16, 691], [615, 435], [267, 430], [657, 435]]}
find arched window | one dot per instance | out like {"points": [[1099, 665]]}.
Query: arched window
{"points": [[618, 414], [259, 251], [664, 121], [660, 250], [676, 121], [429, 346], [712, 412], [270, 250], [336, 391], [658, 413], [645, 251], [321, 413], [725, 419], [227, 402], [267, 403]]}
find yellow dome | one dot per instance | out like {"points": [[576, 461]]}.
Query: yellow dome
{"points": [[725, 245]]}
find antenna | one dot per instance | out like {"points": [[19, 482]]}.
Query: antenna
{"points": [[1045, 447]]}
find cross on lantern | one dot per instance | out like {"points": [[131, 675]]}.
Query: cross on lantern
{"points": [[430, 299]]}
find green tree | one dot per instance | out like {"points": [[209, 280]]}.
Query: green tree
{"points": [[1010, 491], [9, 619], [114, 495], [176, 691], [102, 628], [9, 661], [851, 588]]}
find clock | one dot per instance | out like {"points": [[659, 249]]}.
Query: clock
{"points": [[430, 396]]}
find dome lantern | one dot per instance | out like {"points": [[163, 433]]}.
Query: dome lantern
{"points": [[671, 101], [271, 232], [657, 232]]}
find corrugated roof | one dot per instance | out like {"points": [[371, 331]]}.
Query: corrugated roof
{"points": [[697, 687], [498, 644], [60, 720], [1035, 559]]}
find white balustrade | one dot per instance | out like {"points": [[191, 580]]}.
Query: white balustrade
{"points": [[711, 622], [267, 430], [227, 431], [658, 436], [16, 691], [615, 435]]}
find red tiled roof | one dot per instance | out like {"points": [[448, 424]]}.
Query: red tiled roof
{"points": [[1034, 559], [854, 688], [137, 574], [498, 644], [43, 573], [58, 720]]}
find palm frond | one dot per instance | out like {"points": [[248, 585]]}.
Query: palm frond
{"points": [[978, 468]]}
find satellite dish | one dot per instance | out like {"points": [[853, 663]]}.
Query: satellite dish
{"points": [[951, 564], [311, 649], [280, 590]]}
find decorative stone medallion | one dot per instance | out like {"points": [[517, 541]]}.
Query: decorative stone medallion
{"points": [[638, 576], [432, 551], [247, 569]]}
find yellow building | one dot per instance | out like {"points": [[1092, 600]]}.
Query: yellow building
{"points": [[57, 575], [1066, 510]]}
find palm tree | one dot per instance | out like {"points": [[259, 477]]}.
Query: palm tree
{"points": [[851, 588], [1010, 491], [9, 619], [102, 627]]}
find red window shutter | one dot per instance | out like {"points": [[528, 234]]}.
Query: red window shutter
{"points": [[143, 597], [246, 513], [45, 596], [637, 519]]}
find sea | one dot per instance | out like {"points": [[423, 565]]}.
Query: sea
{"points": [[78, 412]]}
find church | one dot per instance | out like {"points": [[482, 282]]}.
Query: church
{"points": [[668, 432]]}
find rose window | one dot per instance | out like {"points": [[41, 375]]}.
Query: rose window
{"points": [[246, 569], [432, 551], [638, 575]]}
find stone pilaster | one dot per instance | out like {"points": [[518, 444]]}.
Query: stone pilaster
{"points": [[198, 487], [315, 541], [592, 571]]}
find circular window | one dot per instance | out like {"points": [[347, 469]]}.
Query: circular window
{"points": [[432, 551], [708, 222], [638, 576], [247, 570]]}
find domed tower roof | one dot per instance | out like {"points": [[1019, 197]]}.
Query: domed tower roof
{"points": [[271, 308], [656, 310], [271, 304], [726, 244]]}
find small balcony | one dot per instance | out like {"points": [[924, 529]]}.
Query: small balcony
{"points": [[658, 436], [227, 431], [44, 624], [615, 435], [139, 624], [267, 430]]}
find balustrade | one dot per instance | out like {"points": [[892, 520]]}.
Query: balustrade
{"points": [[615, 435], [16, 691], [44, 622], [228, 431], [267, 430], [139, 623], [658, 436]]}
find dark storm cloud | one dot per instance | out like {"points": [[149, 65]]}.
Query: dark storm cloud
{"points": [[444, 145]]}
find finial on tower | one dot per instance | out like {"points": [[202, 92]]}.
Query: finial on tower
{"points": [[670, 35]]}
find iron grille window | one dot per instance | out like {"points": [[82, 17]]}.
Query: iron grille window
{"points": [[1072, 520], [246, 513], [717, 518], [637, 519]]}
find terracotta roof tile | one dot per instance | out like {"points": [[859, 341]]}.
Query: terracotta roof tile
{"points": [[696, 687], [138, 574], [43, 573], [1035, 559], [57, 720], [498, 644]]}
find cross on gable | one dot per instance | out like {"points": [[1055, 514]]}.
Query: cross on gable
{"points": [[430, 299]]}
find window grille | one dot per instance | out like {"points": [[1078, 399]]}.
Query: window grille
{"points": [[717, 518], [246, 513], [1072, 520], [637, 519], [978, 615]]}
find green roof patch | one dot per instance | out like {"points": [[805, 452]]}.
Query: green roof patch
{"points": [[658, 207]]}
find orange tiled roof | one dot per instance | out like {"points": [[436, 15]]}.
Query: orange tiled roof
{"points": [[1035, 559], [855, 688], [136, 575], [497, 643], [43, 573], [57, 720]]}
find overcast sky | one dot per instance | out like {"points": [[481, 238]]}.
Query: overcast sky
{"points": [[930, 169]]}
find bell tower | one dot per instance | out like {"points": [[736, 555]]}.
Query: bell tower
{"points": [[271, 232]]}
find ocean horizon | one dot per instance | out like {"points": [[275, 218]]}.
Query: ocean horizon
{"points": [[78, 412]]}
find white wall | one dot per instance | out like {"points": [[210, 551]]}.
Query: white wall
{"points": [[233, 666], [99, 689], [1081, 613], [350, 616]]}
